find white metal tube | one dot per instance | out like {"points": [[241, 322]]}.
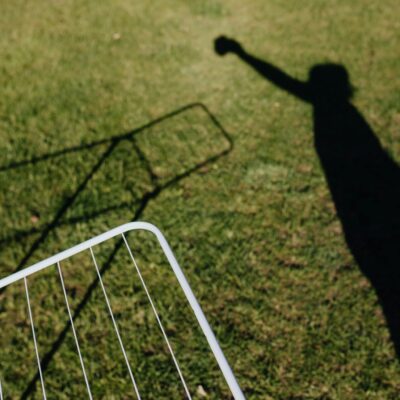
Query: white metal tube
{"points": [[201, 318]]}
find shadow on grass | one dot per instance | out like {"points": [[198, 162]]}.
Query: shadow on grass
{"points": [[157, 188], [363, 179]]}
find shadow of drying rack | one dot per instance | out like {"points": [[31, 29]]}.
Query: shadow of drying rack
{"points": [[157, 188]]}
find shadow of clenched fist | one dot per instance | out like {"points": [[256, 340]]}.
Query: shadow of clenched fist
{"points": [[224, 45]]}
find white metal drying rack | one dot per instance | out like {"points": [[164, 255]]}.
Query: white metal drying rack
{"points": [[88, 245]]}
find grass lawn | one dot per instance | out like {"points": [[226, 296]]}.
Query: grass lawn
{"points": [[117, 110]]}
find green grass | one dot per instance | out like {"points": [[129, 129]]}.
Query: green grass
{"points": [[253, 226]]}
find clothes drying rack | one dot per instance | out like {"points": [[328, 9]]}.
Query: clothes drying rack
{"points": [[89, 245]]}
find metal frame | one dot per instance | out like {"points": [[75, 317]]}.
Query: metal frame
{"points": [[88, 245]]}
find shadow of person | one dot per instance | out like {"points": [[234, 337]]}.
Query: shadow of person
{"points": [[363, 180]]}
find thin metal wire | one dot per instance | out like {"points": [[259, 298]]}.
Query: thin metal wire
{"points": [[74, 332], [34, 338], [158, 319], [115, 325]]}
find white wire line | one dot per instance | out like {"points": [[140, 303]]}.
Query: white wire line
{"points": [[34, 339], [158, 319], [74, 332], [115, 326]]}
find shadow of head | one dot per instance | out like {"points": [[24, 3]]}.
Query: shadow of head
{"points": [[330, 82]]}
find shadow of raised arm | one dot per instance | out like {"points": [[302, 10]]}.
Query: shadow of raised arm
{"points": [[300, 89]]}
